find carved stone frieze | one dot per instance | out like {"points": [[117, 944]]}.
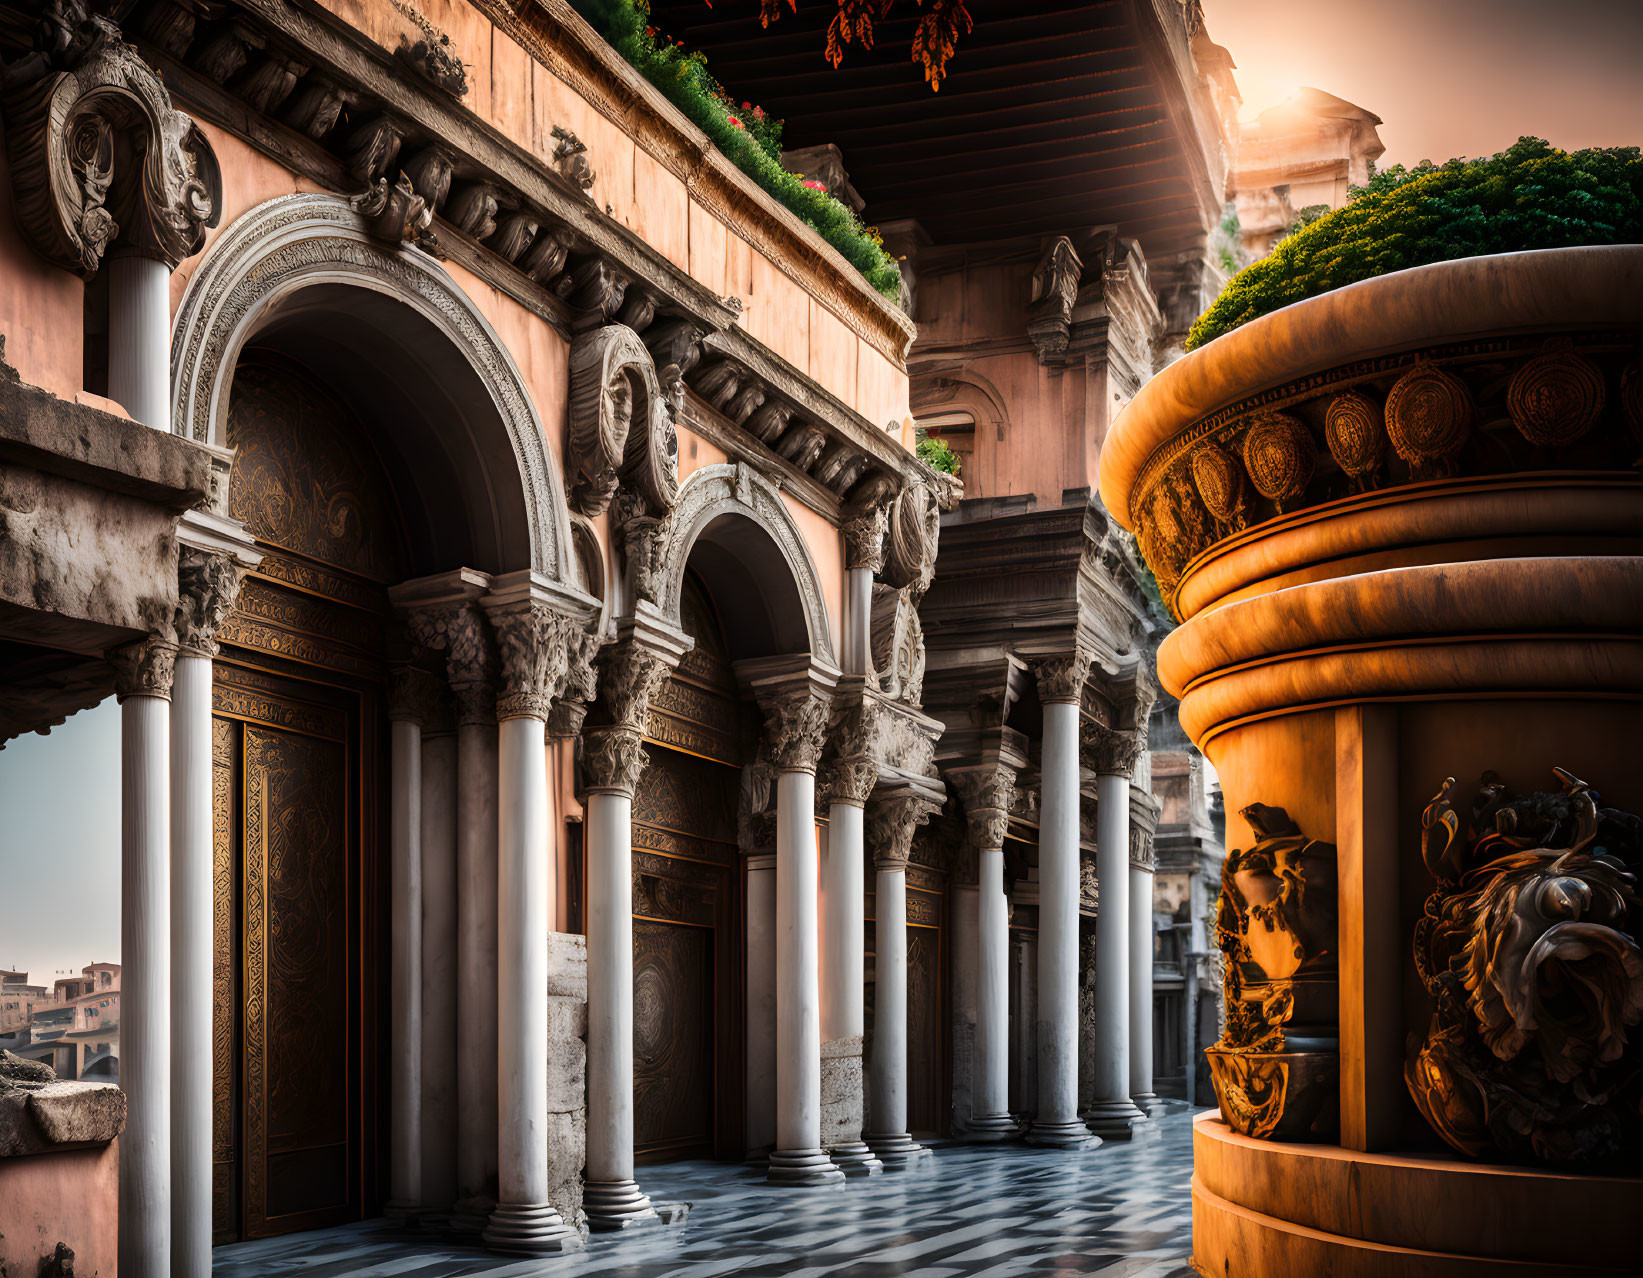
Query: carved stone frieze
{"points": [[891, 821], [1275, 925], [1142, 856], [1528, 950], [208, 583], [144, 668], [99, 158]]}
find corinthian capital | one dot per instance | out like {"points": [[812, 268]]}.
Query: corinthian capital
{"points": [[892, 821], [1061, 677], [144, 668], [1111, 751], [471, 663], [536, 645], [864, 538], [615, 758], [987, 793], [852, 768], [795, 725], [208, 583], [414, 695]]}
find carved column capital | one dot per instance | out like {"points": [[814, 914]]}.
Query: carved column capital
{"points": [[891, 823], [987, 794], [144, 668], [615, 758], [537, 647], [1061, 677], [852, 769], [864, 538], [471, 663], [208, 583], [1111, 751], [1142, 854], [795, 727], [414, 695]]}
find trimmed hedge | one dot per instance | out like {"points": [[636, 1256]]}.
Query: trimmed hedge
{"points": [[1530, 196], [753, 145]]}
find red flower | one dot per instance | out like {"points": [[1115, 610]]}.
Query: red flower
{"points": [[734, 122], [758, 113], [747, 106], [814, 186]]}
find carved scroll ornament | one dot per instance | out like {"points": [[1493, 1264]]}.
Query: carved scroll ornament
{"points": [[1528, 949], [621, 424], [1276, 1068], [99, 157]]}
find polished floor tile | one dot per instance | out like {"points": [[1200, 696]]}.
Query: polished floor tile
{"points": [[969, 1211]]}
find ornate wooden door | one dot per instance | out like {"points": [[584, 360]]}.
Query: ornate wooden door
{"points": [[297, 733]]}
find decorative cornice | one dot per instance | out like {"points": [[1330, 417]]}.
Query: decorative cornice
{"points": [[144, 668], [891, 823]]}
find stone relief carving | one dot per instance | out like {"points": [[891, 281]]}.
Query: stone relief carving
{"points": [[1528, 949], [1278, 456], [1356, 437], [1062, 677], [570, 157], [207, 585], [1556, 397], [1428, 418], [395, 213], [897, 645], [1221, 484], [269, 252], [431, 55], [1055, 291], [98, 156], [1276, 1067], [864, 539]]}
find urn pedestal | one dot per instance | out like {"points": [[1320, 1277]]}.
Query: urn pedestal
{"points": [[1402, 528]]}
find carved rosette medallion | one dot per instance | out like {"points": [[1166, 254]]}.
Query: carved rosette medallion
{"points": [[1354, 434], [1220, 481], [890, 825], [144, 668], [1528, 950], [1556, 397], [1276, 1068], [208, 583], [1062, 677], [795, 729], [1428, 417], [537, 646], [1279, 457]]}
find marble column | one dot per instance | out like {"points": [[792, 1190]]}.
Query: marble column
{"points": [[536, 644], [208, 584], [1113, 1114], [412, 696], [614, 752], [139, 336], [850, 779], [142, 680], [1141, 952], [1060, 690], [439, 961], [892, 820], [795, 697]]}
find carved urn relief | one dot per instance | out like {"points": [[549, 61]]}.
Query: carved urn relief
{"points": [[1528, 949], [1276, 1068]]}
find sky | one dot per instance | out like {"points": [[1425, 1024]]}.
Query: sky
{"points": [[60, 846], [1449, 77]]}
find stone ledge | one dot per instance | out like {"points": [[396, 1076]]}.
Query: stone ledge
{"points": [[53, 1116]]}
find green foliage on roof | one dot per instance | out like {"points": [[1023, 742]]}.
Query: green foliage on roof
{"points": [[1530, 196], [937, 454], [749, 137]]}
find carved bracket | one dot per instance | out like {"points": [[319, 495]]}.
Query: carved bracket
{"points": [[621, 424]]}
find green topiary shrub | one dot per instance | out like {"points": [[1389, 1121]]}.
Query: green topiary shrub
{"points": [[1530, 196], [752, 142]]}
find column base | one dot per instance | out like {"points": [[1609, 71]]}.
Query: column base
{"points": [[802, 1167], [1062, 1134], [855, 1159], [987, 1128], [1149, 1103], [896, 1150], [1115, 1119], [530, 1229], [616, 1204]]}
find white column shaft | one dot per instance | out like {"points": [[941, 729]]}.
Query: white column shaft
{"points": [[1112, 942], [889, 1064], [610, 986], [476, 977], [991, 1070], [439, 963], [1058, 897], [145, 981], [1140, 983], [858, 635], [522, 963], [843, 927], [139, 338], [798, 1004], [405, 912], [192, 933]]}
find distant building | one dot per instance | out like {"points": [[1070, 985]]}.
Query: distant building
{"points": [[18, 999], [1306, 152], [75, 1030]]}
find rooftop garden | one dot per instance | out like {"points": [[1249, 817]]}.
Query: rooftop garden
{"points": [[1530, 196], [747, 135]]}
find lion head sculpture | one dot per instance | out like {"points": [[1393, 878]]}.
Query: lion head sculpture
{"points": [[1528, 949]]}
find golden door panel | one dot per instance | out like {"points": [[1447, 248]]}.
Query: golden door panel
{"points": [[225, 1009], [673, 1056], [925, 1041]]}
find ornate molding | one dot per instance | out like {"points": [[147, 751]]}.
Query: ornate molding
{"points": [[99, 158], [208, 584], [890, 824], [621, 424], [144, 668], [286, 243]]}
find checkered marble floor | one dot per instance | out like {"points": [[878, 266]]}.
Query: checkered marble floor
{"points": [[969, 1211]]}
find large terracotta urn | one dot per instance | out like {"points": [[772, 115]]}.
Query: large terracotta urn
{"points": [[1401, 527]]}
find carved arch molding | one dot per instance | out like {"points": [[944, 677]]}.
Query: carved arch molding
{"points": [[294, 242], [735, 488]]}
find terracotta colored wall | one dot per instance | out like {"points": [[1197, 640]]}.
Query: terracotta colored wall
{"points": [[42, 309], [827, 553], [695, 453], [524, 101], [35, 1190]]}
